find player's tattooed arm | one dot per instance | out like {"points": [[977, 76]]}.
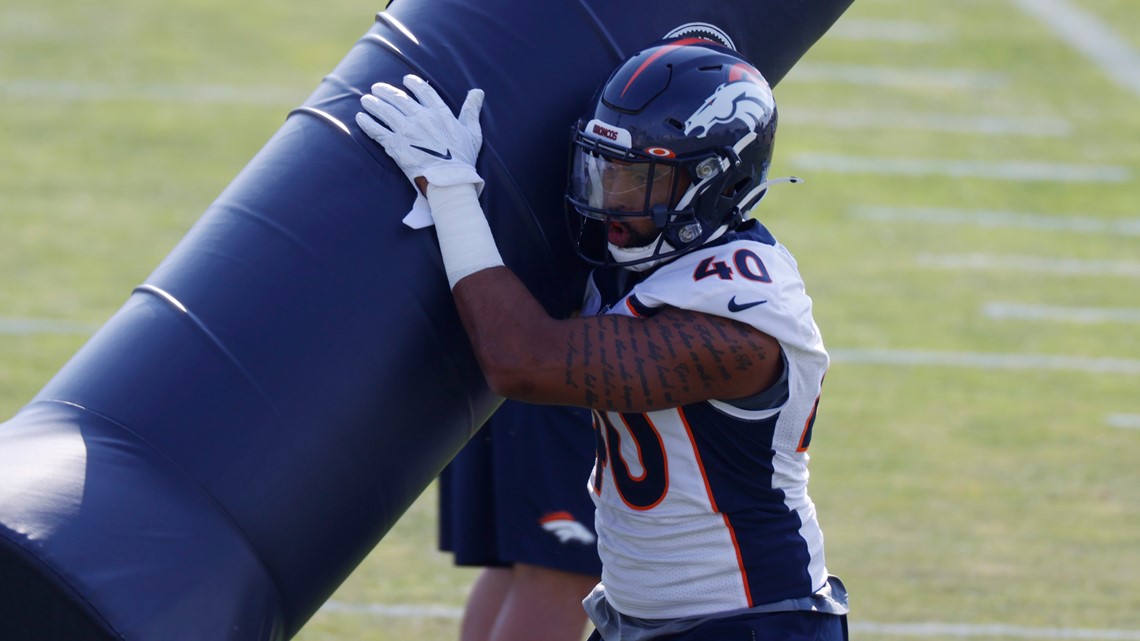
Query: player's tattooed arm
{"points": [[609, 362], [673, 358]]}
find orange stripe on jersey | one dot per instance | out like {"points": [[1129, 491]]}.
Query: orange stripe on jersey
{"points": [[697, 457], [805, 436], [739, 561], [802, 446], [638, 309], [712, 502], [631, 308]]}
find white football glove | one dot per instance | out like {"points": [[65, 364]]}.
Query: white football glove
{"points": [[424, 137]]}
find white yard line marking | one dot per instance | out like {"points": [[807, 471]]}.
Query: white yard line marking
{"points": [[192, 94], [1019, 170], [221, 94], [408, 611], [896, 77], [993, 218], [965, 630], [1124, 421], [1083, 315], [942, 122], [985, 361], [1035, 264], [888, 31], [396, 611], [43, 326], [857, 356], [1091, 37]]}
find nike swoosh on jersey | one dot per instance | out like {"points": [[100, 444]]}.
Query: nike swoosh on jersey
{"points": [[431, 152], [734, 306]]}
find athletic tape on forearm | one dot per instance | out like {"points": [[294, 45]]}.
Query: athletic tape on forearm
{"points": [[464, 236]]}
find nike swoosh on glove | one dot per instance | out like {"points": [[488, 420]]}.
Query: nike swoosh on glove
{"points": [[422, 135]]}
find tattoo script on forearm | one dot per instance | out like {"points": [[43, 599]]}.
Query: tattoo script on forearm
{"points": [[676, 357]]}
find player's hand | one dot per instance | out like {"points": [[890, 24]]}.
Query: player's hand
{"points": [[422, 135]]}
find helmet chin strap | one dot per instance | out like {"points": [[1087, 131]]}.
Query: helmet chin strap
{"points": [[661, 246], [658, 246], [642, 256], [624, 254]]}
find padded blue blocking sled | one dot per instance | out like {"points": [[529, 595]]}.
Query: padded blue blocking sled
{"points": [[217, 459]]}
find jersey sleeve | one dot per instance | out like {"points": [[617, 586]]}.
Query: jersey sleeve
{"points": [[747, 281]]}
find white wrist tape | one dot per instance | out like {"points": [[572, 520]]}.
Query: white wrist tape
{"points": [[465, 238]]}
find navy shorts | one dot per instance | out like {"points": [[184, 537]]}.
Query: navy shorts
{"points": [[773, 626], [517, 492]]}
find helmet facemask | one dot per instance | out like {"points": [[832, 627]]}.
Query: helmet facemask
{"points": [[610, 186]]}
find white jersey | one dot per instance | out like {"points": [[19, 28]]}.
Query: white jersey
{"points": [[704, 508]]}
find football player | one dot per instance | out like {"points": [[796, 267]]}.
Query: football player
{"points": [[696, 348]]}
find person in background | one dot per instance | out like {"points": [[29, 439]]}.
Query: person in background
{"points": [[512, 502]]}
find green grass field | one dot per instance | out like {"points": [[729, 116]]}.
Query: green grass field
{"points": [[969, 230]]}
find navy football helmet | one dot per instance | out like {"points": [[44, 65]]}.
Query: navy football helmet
{"points": [[680, 134]]}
